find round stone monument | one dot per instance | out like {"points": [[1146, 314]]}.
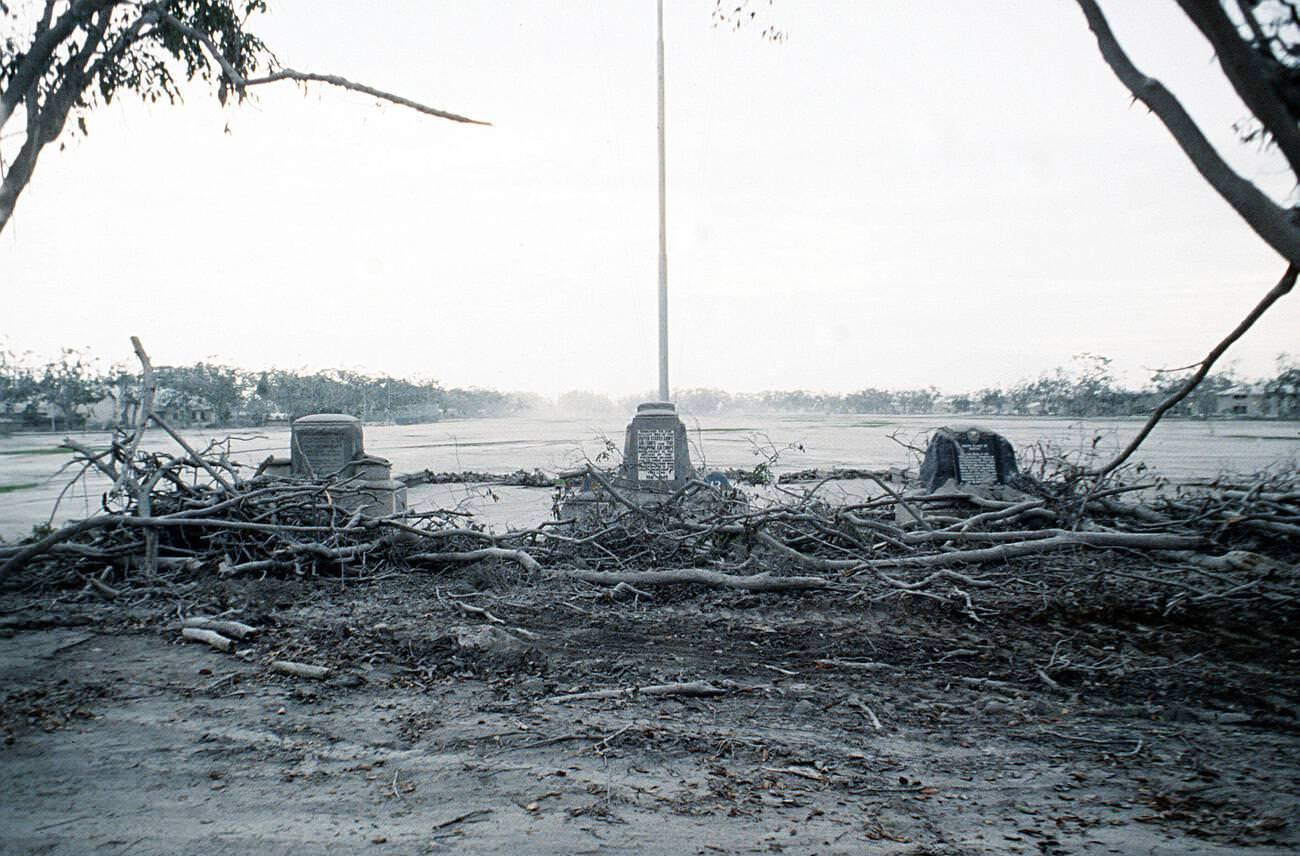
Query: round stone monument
{"points": [[968, 456]]}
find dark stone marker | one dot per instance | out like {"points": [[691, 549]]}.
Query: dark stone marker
{"points": [[655, 454], [968, 456], [324, 444]]}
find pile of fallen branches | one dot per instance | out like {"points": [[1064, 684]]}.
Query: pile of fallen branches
{"points": [[194, 511], [1221, 546], [519, 478], [760, 476], [1224, 547]]}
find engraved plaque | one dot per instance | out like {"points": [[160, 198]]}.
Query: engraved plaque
{"points": [[975, 463], [325, 453], [967, 456], [656, 454], [325, 445]]}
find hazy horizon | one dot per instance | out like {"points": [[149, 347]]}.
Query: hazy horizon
{"points": [[856, 206], [622, 398]]}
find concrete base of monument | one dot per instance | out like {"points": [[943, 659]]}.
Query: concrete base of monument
{"points": [[656, 456], [594, 504], [275, 468], [365, 485], [380, 498], [656, 470]]}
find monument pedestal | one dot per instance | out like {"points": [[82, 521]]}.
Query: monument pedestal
{"points": [[656, 463], [656, 457], [328, 447]]}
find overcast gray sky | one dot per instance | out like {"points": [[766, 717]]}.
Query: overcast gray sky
{"points": [[899, 194]]}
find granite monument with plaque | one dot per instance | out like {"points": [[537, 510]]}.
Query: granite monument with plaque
{"points": [[968, 456], [329, 447], [656, 457]]}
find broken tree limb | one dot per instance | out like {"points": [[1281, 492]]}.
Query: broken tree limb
{"points": [[471, 609], [28, 553], [1276, 293], [860, 665], [525, 561], [897, 497], [613, 492], [697, 576], [209, 637], [815, 562], [871, 715], [195, 457], [233, 629], [623, 589], [1005, 513], [915, 538], [105, 520], [103, 588], [300, 670], [148, 387], [1004, 552], [240, 82], [950, 576], [226, 569], [693, 689]]}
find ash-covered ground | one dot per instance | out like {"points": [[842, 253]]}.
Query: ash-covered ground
{"points": [[839, 725]]}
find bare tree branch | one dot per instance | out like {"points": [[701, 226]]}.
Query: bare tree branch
{"points": [[136, 45], [1248, 72], [1270, 221], [1284, 285], [240, 82]]}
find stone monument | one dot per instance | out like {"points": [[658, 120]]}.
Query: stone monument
{"points": [[323, 445], [330, 447], [656, 457], [968, 456]]}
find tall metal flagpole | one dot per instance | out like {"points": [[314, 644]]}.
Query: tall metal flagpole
{"points": [[663, 223]]}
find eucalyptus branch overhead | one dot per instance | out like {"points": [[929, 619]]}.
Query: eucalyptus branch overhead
{"points": [[80, 54], [240, 82]]}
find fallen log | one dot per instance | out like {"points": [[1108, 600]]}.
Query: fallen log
{"points": [[233, 629], [300, 670], [209, 637], [1005, 552], [525, 561], [697, 576], [693, 689]]}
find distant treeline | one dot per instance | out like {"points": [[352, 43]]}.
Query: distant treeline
{"points": [[1088, 388], [73, 391]]}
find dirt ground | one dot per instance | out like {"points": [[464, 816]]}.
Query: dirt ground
{"points": [[843, 727]]}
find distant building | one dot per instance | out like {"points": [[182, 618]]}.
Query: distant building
{"points": [[1252, 401], [183, 410]]}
